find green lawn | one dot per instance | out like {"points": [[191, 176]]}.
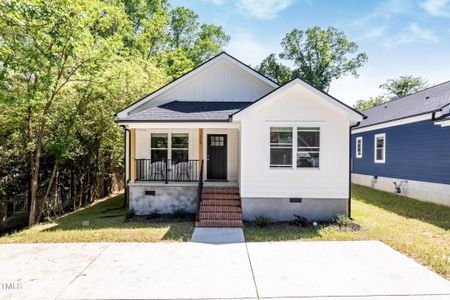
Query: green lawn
{"points": [[418, 229], [100, 229]]}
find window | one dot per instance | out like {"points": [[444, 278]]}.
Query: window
{"points": [[359, 147], [308, 147], [380, 148], [180, 147], [217, 141], [280, 147], [159, 146]]}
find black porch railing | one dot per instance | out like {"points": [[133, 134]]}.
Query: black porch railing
{"points": [[167, 170]]}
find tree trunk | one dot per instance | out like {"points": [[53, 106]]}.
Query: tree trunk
{"points": [[41, 203]]}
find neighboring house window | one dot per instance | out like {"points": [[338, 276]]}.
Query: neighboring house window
{"points": [[280, 146], [359, 147], [380, 148], [180, 147], [159, 146], [308, 147]]}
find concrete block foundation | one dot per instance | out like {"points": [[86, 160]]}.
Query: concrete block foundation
{"points": [[282, 209], [425, 191], [144, 198]]}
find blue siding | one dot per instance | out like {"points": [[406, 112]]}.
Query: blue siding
{"points": [[416, 151]]}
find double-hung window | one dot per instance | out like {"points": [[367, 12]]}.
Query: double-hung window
{"points": [[180, 147], [308, 147], [164, 144], [159, 146], [295, 147], [280, 147], [380, 148], [359, 147]]}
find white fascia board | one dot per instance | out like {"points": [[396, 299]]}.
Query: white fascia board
{"points": [[353, 116], [394, 123], [194, 72], [180, 125], [445, 123]]}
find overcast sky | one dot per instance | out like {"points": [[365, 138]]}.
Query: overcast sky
{"points": [[399, 36]]}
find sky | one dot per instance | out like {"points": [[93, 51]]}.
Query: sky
{"points": [[400, 37]]}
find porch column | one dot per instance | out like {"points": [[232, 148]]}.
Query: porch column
{"points": [[200, 145], [132, 155]]}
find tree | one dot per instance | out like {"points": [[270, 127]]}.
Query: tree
{"points": [[361, 104], [66, 67], [395, 88], [275, 70], [183, 26], [319, 56], [47, 46], [404, 85]]}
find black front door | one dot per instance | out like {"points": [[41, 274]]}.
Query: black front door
{"points": [[217, 156]]}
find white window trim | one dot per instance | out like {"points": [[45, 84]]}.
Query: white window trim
{"points": [[379, 161], [359, 139], [295, 126], [169, 143]]}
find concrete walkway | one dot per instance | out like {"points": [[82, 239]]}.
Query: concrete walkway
{"points": [[218, 235], [281, 270]]}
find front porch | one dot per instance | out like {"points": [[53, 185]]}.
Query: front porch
{"points": [[171, 155], [168, 167]]}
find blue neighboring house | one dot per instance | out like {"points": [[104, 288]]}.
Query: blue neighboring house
{"points": [[403, 146]]}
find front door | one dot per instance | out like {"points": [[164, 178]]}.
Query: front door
{"points": [[217, 156]]}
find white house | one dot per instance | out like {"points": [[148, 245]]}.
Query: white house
{"points": [[228, 143]]}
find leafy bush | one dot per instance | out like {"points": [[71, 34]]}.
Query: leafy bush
{"points": [[262, 221], [300, 221], [130, 214], [343, 221], [180, 213]]}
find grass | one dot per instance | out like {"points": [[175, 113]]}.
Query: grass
{"points": [[418, 229], [69, 228]]}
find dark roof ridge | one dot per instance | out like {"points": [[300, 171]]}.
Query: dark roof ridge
{"points": [[422, 90]]}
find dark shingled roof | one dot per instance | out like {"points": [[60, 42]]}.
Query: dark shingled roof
{"points": [[425, 101], [189, 111]]}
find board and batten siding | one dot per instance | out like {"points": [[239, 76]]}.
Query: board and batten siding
{"points": [[416, 151], [295, 106], [222, 81]]}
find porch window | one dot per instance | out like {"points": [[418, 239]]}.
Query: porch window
{"points": [[308, 147], [159, 146], [280, 147], [380, 148], [180, 147]]}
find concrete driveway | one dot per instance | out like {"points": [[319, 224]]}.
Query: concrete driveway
{"points": [[282, 270]]}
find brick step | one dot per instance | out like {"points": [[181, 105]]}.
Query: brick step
{"points": [[220, 196], [209, 202], [219, 223], [220, 191], [220, 216], [216, 208]]}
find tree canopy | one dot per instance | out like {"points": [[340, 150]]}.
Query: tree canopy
{"points": [[394, 88], [66, 67], [318, 56]]}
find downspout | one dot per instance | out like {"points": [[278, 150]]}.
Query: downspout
{"points": [[349, 206], [125, 180]]}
